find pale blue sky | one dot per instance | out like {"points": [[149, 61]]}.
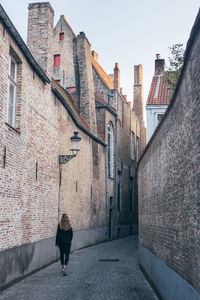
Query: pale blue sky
{"points": [[129, 32]]}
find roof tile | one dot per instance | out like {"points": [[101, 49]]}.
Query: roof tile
{"points": [[160, 92]]}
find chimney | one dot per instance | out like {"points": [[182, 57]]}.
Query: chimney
{"points": [[138, 107], [159, 65], [40, 34], [116, 77], [95, 55], [84, 80]]}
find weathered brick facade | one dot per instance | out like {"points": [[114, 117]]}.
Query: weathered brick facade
{"points": [[65, 49], [34, 189], [168, 179]]}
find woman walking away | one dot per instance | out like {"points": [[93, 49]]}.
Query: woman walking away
{"points": [[63, 241]]}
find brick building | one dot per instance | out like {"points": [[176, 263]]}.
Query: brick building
{"points": [[168, 181], [50, 88]]}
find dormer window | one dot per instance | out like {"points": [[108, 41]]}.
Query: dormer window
{"points": [[61, 36]]}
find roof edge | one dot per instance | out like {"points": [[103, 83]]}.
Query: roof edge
{"points": [[80, 126]]}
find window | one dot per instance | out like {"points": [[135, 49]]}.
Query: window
{"points": [[137, 148], [57, 60], [159, 118], [132, 146], [12, 92], [61, 36], [110, 150]]}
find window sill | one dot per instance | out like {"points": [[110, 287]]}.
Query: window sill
{"points": [[15, 129]]}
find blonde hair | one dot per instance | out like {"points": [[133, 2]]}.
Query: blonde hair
{"points": [[65, 222]]}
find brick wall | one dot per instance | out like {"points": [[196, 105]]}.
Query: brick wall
{"points": [[65, 72], [169, 178], [40, 34], [84, 80], [28, 205], [82, 190]]}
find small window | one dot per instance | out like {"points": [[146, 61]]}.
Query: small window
{"points": [[132, 146], [57, 60], [61, 36], [159, 118], [12, 92]]}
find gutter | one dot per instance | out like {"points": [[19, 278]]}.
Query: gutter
{"points": [[106, 177], [70, 111], [116, 177], [115, 114]]}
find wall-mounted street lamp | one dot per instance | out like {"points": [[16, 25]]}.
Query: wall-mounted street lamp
{"points": [[75, 147]]}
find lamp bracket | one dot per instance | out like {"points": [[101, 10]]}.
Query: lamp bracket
{"points": [[63, 159]]}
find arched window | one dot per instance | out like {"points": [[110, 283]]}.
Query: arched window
{"points": [[110, 150]]}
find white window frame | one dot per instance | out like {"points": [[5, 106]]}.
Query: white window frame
{"points": [[132, 145], [12, 82], [110, 150]]}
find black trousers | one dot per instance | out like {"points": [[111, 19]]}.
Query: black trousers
{"points": [[64, 253]]}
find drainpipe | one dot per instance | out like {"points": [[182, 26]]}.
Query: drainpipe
{"points": [[106, 170], [116, 189]]}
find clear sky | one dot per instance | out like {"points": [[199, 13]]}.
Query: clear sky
{"points": [[129, 32]]}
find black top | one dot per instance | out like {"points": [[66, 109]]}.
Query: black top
{"points": [[63, 236]]}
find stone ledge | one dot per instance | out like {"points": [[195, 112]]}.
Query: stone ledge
{"points": [[166, 281]]}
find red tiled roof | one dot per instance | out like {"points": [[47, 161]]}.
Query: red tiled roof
{"points": [[160, 93], [104, 76]]}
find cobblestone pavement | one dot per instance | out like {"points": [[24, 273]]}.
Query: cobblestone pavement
{"points": [[88, 277]]}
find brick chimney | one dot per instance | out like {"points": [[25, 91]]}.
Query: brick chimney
{"points": [[40, 34], [116, 77], [159, 65], [138, 107], [84, 80]]}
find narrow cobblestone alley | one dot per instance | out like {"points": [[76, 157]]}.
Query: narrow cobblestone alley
{"points": [[89, 278]]}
